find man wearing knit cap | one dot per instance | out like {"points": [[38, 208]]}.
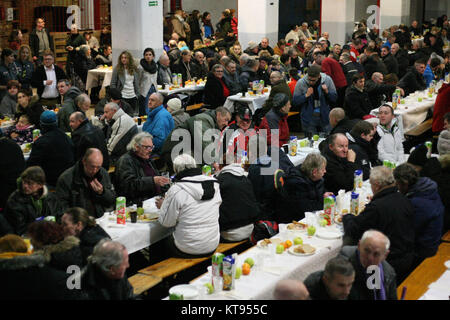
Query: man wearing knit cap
{"points": [[252, 49], [177, 112], [423, 163], [53, 151]]}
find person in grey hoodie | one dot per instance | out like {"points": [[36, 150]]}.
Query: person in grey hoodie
{"points": [[176, 110], [9, 102]]}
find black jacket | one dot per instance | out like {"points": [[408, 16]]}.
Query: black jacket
{"points": [[12, 164], [359, 289], [82, 65], [280, 87], [53, 152], [96, 286], [130, 180], [214, 92], [73, 190], [391, 63], [344, 126], [21, 210], [39, 76], [392, 214], [349, 70], [362, 149], [412, 81], [185, 69], [233, 186], [378, 92], [27, 277], [232, 82], [199, 71], [340, 172], [100, 107], [89, 237], [34, 42], [316, 287], [403, 62], [374, 64], [247, 75], [89, 136], [302, 195], [357, 103]]}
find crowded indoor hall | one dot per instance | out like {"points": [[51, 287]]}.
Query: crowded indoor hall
{"points": [[224, 150]]}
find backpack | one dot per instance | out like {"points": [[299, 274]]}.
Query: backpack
{"points": [[263, 229]]}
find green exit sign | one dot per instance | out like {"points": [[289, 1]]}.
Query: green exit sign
{"points": [[153, 3]]}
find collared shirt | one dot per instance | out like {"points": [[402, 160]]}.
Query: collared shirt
{"points": [[50, 92]]}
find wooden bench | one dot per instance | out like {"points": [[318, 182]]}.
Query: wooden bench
{"points": [[143, 282], [446, 237], [194, 107], [172, 266]]}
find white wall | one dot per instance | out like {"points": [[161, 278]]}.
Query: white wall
{"points": [[258, 19], [215, 7], [338, 17], [436, 8], [136, 26]]}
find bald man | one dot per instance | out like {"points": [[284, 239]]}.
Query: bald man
{"points": [[340, 122], [86, 185], [290, 290], [371, 252]]}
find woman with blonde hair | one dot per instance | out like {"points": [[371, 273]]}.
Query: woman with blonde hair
{"points": [[235, 52], [24, 65], [125, 78]]}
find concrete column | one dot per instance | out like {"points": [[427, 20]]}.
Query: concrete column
{"points": [[136, 25], [394, 12], [338, 18], [258, 19]]}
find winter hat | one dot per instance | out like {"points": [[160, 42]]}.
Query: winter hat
{"points": [[244, 113], [252, 45], [48, 118], [443, 144], [174, 104], [418, 155], [115, 94]]}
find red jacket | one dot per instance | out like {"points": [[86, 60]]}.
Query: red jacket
{"points": [[275, 120], [333, 69], [354, 53], [292, 85], [441, 107]]}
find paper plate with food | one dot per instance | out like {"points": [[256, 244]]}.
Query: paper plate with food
{"points": [[302, 250], [265, 242], [296, 226]]}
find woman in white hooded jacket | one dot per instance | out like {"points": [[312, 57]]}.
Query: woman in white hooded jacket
{"points": [[191, 206], [390, 146]]}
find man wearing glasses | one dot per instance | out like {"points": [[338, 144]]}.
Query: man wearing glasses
{"points": [[136, 177], [314, 93]]}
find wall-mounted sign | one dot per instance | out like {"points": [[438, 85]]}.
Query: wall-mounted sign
{"points": [[9, 14], [153, 3]]}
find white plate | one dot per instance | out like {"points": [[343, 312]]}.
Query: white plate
{"points": [[328, 234], [337, 221], [291, 251], [188, 291], [258, 244]]}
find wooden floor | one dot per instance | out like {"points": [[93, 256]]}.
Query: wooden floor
{"points": [[426, 273]]}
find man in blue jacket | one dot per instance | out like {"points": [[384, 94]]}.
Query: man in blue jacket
{"points": [[159, 121], [314, 94]]}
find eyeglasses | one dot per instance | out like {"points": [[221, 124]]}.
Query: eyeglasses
{"points": [[219, 71], [147, 147]]}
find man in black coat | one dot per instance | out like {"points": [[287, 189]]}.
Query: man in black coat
{"points": [[87, 185], [12, 163], [231, 77], [372, 250], [341, 164], [53, 151], [373, 63], [200, 69], [185, 66], [104, 277], [389, 212], [85, 135], [214, 89], [389, 60], [339, 121], [413, 79], [248, 74], [333, 283], [359, 141], [377, 90], [402, 59], [357, 103]]}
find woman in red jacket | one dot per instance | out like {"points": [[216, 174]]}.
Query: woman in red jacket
{"points": [[276, 119]]}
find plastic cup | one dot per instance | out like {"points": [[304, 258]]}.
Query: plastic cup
{"points": [[218, 284], [133, 216]]}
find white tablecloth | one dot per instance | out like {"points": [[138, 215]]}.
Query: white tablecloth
{"points": [[134, 236], [412, 113], [186, 89], [302, 152], [254, 102], [95, 75], [438, 290]]}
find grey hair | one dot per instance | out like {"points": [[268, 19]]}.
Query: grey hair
{"points": [[216, 66], [112, 105], [160, 96], [223, 111], [345, 56], [163, 56], [382, 176], [373, 234], [244, 58], [252, 63], [313, 161], [79, 116], [137, 140], [182, 162], [82, 98], [84, 48], [277, 73], [107, 254]]}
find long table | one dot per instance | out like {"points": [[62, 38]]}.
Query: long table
{"points": [[426, 273], [95, 75], [302, 152], [254, 102], [186, 89]]}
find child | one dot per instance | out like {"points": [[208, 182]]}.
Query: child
{"points": [[22, 132]]}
